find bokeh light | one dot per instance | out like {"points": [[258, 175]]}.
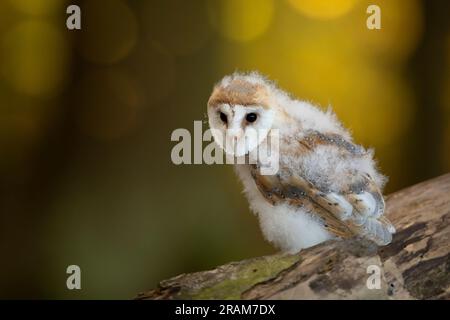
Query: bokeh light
{"points": [[401, 30], [36, 7], [323, 9], [34, 57], [241, 20]]}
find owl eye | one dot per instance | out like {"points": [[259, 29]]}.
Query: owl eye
{"points": [[251, 117], [223, 117]]}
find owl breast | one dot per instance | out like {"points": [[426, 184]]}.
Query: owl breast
{"points": [[291, 229]]}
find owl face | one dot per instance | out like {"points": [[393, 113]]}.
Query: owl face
{"points": [[239, 129]]}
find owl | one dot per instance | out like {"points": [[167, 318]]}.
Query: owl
{"points": [[325, 186]]}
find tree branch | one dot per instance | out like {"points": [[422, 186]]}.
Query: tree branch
{"points": [[416, 265]]}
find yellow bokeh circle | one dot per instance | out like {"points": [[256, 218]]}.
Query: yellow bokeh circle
{"points": [[323, 9], [241, 20], [35, 58], [37, 7]]}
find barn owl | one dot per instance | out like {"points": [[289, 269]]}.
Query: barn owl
{"points": [[325, 187]]}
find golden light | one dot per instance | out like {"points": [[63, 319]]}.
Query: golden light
{"points": [[37, 7], [323, 9], [34, 58], [241, 20], [362, 95], [401, 30]]}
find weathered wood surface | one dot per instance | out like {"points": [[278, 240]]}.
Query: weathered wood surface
{"points": [[416, 265]]}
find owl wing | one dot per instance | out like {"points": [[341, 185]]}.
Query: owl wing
{"points": [[355, 211], [352, 213]]}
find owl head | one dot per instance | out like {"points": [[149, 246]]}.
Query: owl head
{"points": [[241, 112]]}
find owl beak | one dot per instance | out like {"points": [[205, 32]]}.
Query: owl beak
{"points": [[235, 134]]}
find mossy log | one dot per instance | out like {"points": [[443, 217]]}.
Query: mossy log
{"points": [[416, 265]]}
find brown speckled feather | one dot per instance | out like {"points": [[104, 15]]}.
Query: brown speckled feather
{"points": [[344, 214]]}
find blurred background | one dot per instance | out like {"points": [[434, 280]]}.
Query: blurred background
{"points": [[86, 117]]}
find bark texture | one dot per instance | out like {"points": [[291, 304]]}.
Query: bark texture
{"points": [[416, 265]]}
